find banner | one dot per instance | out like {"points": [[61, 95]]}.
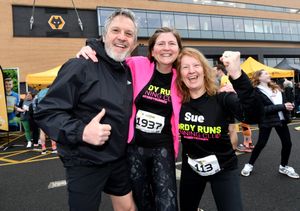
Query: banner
{"points": [[11, 84], [3, 109]]}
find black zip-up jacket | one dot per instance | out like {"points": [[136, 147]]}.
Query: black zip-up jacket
{"points": [[271, 118], [81, 89]]}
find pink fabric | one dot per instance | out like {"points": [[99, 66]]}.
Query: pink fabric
{"points": [[142, 71]]}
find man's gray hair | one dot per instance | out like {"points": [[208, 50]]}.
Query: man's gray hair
{"points": [[124, 12]]}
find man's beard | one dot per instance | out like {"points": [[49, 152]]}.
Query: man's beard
{"points": [[119, 57]]}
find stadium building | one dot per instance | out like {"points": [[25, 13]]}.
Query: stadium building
{"points": [[37, 35]]}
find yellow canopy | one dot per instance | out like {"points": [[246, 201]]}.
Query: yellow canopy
{"points": [[42, 79], [251, 65]]}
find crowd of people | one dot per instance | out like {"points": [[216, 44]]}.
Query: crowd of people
{"points": [[116, 121], [21, 110]]}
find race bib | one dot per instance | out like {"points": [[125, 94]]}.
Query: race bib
{"points": [[206, 166], [149, 122]]}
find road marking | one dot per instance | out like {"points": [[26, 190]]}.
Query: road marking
{"points": [[57, 184], [14, 153], [21, 162], [8, 160], [10, 140]]}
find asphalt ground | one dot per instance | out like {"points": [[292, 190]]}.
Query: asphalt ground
{"points": [[30, 181]]}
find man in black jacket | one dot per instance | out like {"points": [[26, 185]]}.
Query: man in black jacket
{"points": [[87, 111]]}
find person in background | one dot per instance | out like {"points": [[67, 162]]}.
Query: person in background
{"points": [[23, 108], [87, 111], [276, 116], [297, 98], [223, 80], [207, 153], [43, 137], [153, 136], [247, 145], [35, 131], [288, 88], [12, 100]]}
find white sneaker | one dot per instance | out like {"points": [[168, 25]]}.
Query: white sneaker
{"points": [[247, 170], [289, 171], [54, 151], [29, 144]]}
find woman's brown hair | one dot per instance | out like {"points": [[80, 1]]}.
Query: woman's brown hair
{"points": [[209, 74], [255, 81], [153, 38]]}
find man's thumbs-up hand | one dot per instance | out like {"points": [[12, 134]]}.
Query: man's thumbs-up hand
{"points": [[96, 133]]}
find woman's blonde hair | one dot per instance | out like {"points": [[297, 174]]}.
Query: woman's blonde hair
{"points": [[255, 81], [209, 74]]}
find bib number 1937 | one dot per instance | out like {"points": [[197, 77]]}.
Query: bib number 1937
{"points": [[149, 122]]}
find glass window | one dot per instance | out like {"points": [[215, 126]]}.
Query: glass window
{"points": [[211, 26], [249, 35], [268, 27], [104, 14], [143, 32], [180, 21], [229, 35], [276, 27], [218, 35], [205, 23], [210, 62], [194, 34], [216, 24], [153, 20], [293, 27], [141, 19], [258, 26], [228, 24], [167, 19], [285, 28], [183, 33], [238, 25], [291, 60], [193, 22], [271, 62], [248, 25], [206, 34]]}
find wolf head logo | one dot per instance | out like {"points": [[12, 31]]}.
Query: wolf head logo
{"points": [[56, 22]]}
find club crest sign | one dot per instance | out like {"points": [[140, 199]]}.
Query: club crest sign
{"points": [[56, 22]]}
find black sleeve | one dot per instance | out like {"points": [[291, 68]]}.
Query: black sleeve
{"points": [[54, 114], [274, 108], [30, 111], [269, 107], [245, 105], [95, 44], [20, 104]]}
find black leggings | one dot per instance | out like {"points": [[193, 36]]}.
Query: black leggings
{"points": [[225, 186], [263, 137], [152, 172]]}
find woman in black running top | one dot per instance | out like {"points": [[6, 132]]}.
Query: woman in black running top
{"points": [[207, 154]]}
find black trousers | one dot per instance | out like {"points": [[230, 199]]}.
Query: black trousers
{"points": [[152, 172], [263, 137], [225, 187]]}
